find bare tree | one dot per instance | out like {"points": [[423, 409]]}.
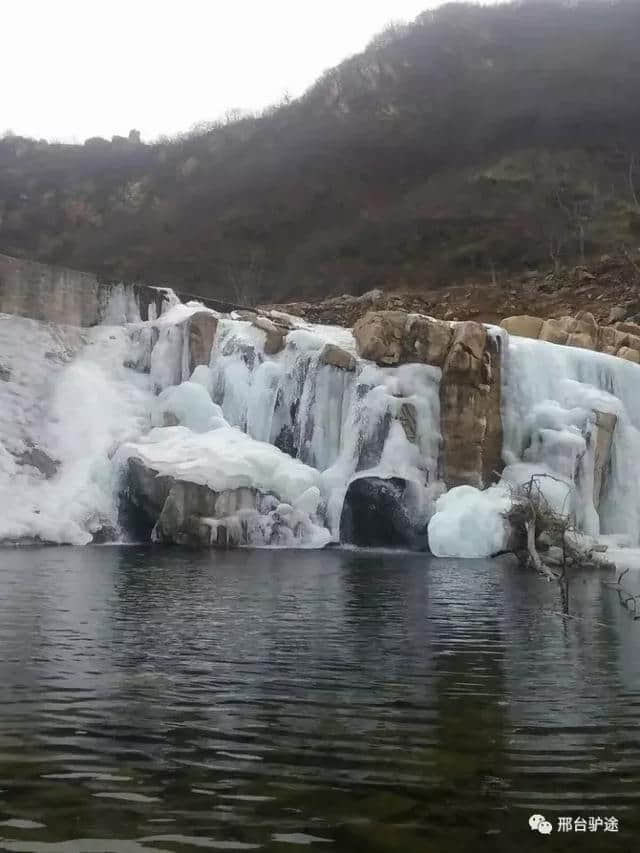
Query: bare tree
{"points": [[245, 276]]}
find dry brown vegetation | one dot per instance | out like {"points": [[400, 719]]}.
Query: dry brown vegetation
{"points": [[475, 143]]}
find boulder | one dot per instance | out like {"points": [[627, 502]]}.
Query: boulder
{"points": [[380, 336], [283, 321], [583, 323], [335, 356], [430, 339], [582, 339], [553, 332], [629, 328], [275, 336], [39, 459], [202, 327], [374, 515], [629, 354], [173, 511], [610, 339], [244, 314], [523, 326], [587, 321], [632, 341], [373, 296], [616, 314]]}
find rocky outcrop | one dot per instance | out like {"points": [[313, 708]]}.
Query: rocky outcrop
{"points": [[39, 459], [395, 337], [523, 326], [337, 357], [381, 337], [374, 515], [470, 419], [275, 335], [201, 331], [583, 331], [175, 510], [180, 512], [602, 438]]}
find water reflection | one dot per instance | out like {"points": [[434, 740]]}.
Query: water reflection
{"points": [[160, 699]]}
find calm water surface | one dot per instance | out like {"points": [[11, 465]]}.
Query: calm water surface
{"points": [[160, 700]]}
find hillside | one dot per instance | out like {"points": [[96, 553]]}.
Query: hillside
{"points": [[466, 147]]}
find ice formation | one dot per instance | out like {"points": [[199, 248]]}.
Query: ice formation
{"points": [[469, 522], [289, 425], [66, 395], [550, 395], [293, 426]]}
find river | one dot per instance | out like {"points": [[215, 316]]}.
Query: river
{"points": [[332, 700]]}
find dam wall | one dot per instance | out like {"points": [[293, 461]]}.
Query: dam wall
{"points": [[64, 296]]}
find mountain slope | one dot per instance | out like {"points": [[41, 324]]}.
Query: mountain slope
{"points": [[475, 142]]}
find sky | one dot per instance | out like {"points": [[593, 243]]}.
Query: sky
{"points": [[72, 69]]}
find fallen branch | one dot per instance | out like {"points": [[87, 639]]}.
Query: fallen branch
{"points": [[628, 600], [536, 560]]}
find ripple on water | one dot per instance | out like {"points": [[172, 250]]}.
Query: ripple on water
{"points": [[274, 700]]}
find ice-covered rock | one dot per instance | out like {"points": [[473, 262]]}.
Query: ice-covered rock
{"points": [[188, 404], [192, 485], [381, 512], [469, 522]]}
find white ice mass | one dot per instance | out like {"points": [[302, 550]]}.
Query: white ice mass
{"points": [[76, 404]]}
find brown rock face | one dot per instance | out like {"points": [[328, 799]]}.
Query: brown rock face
{"points": [[275, 336], [629, 354], [523, 326], [621, 339], [605, 425], [202, 328], [381, 336], [337, 357], [429, 339], [470, 418], [629, 328], [553, 332], [582, 340], [610, 339], [394, 337]]}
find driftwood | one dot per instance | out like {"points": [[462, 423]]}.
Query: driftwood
{"points": [[629, 600], [532, 519], [530, 516]]}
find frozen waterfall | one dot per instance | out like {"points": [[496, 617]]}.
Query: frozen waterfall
{"points": [[552, 400], [282, 436], [88, 399]]}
